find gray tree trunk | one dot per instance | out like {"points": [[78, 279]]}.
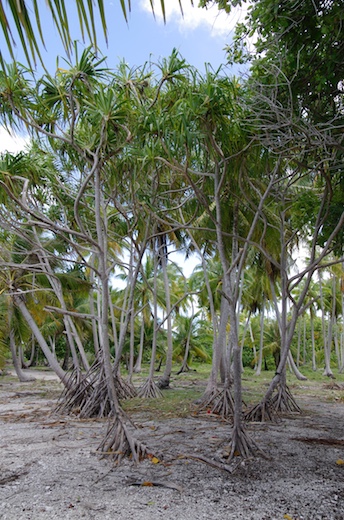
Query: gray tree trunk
{"points": [[53, 363]]}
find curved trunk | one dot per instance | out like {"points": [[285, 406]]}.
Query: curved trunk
{"points": [[30, 362], [53, 363], [295, 369], [23, 378]]}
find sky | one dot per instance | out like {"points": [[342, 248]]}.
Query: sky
{"points": [[200, 36]]}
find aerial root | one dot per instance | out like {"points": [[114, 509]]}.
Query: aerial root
{"points": [[242, 445], [185, 368], [149, 390], [262, 412], [219, 402], [78, 390], [284, 402], [119, 443], [223, 404], [206, 402], [124, 389], [266, 410], [88, 396]]}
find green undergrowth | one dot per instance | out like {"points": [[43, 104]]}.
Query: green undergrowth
{"points": [[187, 387], [177, 402]]}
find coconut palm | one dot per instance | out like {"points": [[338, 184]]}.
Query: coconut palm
{"points": [[25, 20], [192, 340]]}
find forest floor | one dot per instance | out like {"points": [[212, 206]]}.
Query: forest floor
{"points": [[49, 468]]}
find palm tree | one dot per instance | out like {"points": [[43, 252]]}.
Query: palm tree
{"points": [[25, 20], [192, 339], [257, 295]]}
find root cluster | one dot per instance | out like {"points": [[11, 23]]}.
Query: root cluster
{"points": [[267, 410], [219, 402], [149, 390], [119, 443], [88, 396], [284, 402], [261, 412], [243, 445]]}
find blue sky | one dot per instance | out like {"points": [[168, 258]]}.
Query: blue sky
{"points": [[200, 36]]}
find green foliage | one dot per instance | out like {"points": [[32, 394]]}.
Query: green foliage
{"points": [[18, 17], [194, 334], [248, 359], [302, 39]]}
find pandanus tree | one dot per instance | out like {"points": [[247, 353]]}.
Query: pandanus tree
{"points": [[86, 124], [23, 275], [208, 154], [308, 195]]}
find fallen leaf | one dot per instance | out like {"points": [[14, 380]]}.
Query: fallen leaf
{"points": [[340, 462], [288, 517], [155, 460]]}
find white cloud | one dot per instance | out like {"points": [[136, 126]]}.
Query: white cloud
{"points": [[216, 21], [11, 142]]}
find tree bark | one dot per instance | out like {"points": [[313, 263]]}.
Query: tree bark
{"points": [[53, 363]]}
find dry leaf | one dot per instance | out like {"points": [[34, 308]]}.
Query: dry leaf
{"points": [[155, 460], [288, 517], [340, 462]]}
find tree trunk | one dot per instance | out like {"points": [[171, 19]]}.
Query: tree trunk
{"points": [[138, 364], [261, 338], [150, 389], [164, 381], [311, 318], [53, 363], [23, 378], [295, 369]]}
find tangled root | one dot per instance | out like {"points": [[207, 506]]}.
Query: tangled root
{"points": [[262, 412], [284, 402], [88, 396], [219, 402], [242, 445], [268, 409], [124, 389], [149, 390], [79, 391], [119, 443]]}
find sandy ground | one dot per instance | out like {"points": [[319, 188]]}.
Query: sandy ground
{"points": [[49, 468]]}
